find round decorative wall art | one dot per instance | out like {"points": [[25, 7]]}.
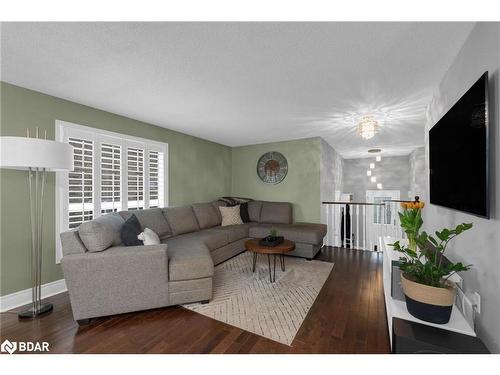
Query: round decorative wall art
{"points": [[272, 167]]}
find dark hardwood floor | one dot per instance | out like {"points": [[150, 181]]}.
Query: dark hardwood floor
{"points": [[348, 316]]}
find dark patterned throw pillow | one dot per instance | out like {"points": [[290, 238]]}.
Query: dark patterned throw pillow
{"points": [[234, 201], [245, 217], [130, 230]]}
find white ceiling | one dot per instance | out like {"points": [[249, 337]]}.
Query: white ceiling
{"points": [[244, 83]]}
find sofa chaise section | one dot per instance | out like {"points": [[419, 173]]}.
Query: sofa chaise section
{"points": [[308, 237]]}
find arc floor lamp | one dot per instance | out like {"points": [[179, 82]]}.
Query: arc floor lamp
{"points": [[36, 156]]}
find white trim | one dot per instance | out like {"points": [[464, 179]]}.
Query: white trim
{"points": [[23, 297], [87, 129], [99, 136]]}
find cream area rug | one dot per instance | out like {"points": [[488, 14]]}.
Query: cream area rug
{"points": [[249, 301]]}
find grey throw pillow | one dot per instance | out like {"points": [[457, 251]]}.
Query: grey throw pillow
{"points": [[206, 215], [276, 213], [101, 233], [181, 219]]}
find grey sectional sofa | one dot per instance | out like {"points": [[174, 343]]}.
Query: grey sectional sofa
{"points": [[104, 277]]}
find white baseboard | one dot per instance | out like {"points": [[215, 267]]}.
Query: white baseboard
{"points": [[23, 297]]}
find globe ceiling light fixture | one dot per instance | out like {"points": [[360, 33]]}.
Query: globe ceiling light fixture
{"points": [[368, 127]]}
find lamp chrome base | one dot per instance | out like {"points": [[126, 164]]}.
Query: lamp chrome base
{"points": [[29, 314]]}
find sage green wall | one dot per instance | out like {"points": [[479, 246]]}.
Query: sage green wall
{"points": [[301, 186], [199, 171]]}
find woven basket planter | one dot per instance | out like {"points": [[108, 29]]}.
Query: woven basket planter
{"points": [[429, 303]]}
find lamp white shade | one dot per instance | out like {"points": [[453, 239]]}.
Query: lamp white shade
{"points": [[23, 153]]}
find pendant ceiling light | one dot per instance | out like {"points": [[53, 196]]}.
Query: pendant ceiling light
{"points": [[368, 127]]}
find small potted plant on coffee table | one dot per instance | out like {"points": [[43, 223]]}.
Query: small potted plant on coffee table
{"points": [[272, 239], [429, 293]]}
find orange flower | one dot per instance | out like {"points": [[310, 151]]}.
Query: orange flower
{"points": [[412, 205]]}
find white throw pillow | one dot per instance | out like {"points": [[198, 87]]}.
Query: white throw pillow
{"points": [[230, 215], [149, 237]]}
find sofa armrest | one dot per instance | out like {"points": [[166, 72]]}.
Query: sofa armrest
{"points": [[71, 243], [117, 280]]}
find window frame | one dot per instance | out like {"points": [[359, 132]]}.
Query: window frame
{"points": [[63, 130]]}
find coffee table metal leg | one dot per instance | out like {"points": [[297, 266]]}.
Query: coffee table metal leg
{"points": [[274, 268], [254, 261], [282, 260], [269, 264]]}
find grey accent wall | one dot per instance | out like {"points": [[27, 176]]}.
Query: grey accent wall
{"points": [[331, 174], [393, 172], [418, 174], [481, 245]]}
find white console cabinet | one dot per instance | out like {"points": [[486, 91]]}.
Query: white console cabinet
{"points": [[397, 309]]}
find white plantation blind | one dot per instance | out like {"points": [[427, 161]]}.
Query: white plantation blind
{"points": [[156, 179], [113, 172], [110, 178], [135, 179], [80, 183]]}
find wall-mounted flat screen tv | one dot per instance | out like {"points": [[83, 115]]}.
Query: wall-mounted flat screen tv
{"points": [[458, 152]]}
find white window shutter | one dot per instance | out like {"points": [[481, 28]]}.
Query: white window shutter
{"points": [[135, 178], [112, 172], [110, 178], [80, 183], [156, 179]]}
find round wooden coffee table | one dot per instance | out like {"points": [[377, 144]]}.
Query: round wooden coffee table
{"points": [[278, 250]]}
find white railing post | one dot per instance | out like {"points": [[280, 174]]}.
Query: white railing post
{"points": [[364, 227], [351, 245], [344, 242], [357, 226], [335, 234], [360, 232], [324, 209]]}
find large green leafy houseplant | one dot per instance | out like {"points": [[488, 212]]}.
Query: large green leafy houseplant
{"points": [[429, 295], [426, 267]]}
